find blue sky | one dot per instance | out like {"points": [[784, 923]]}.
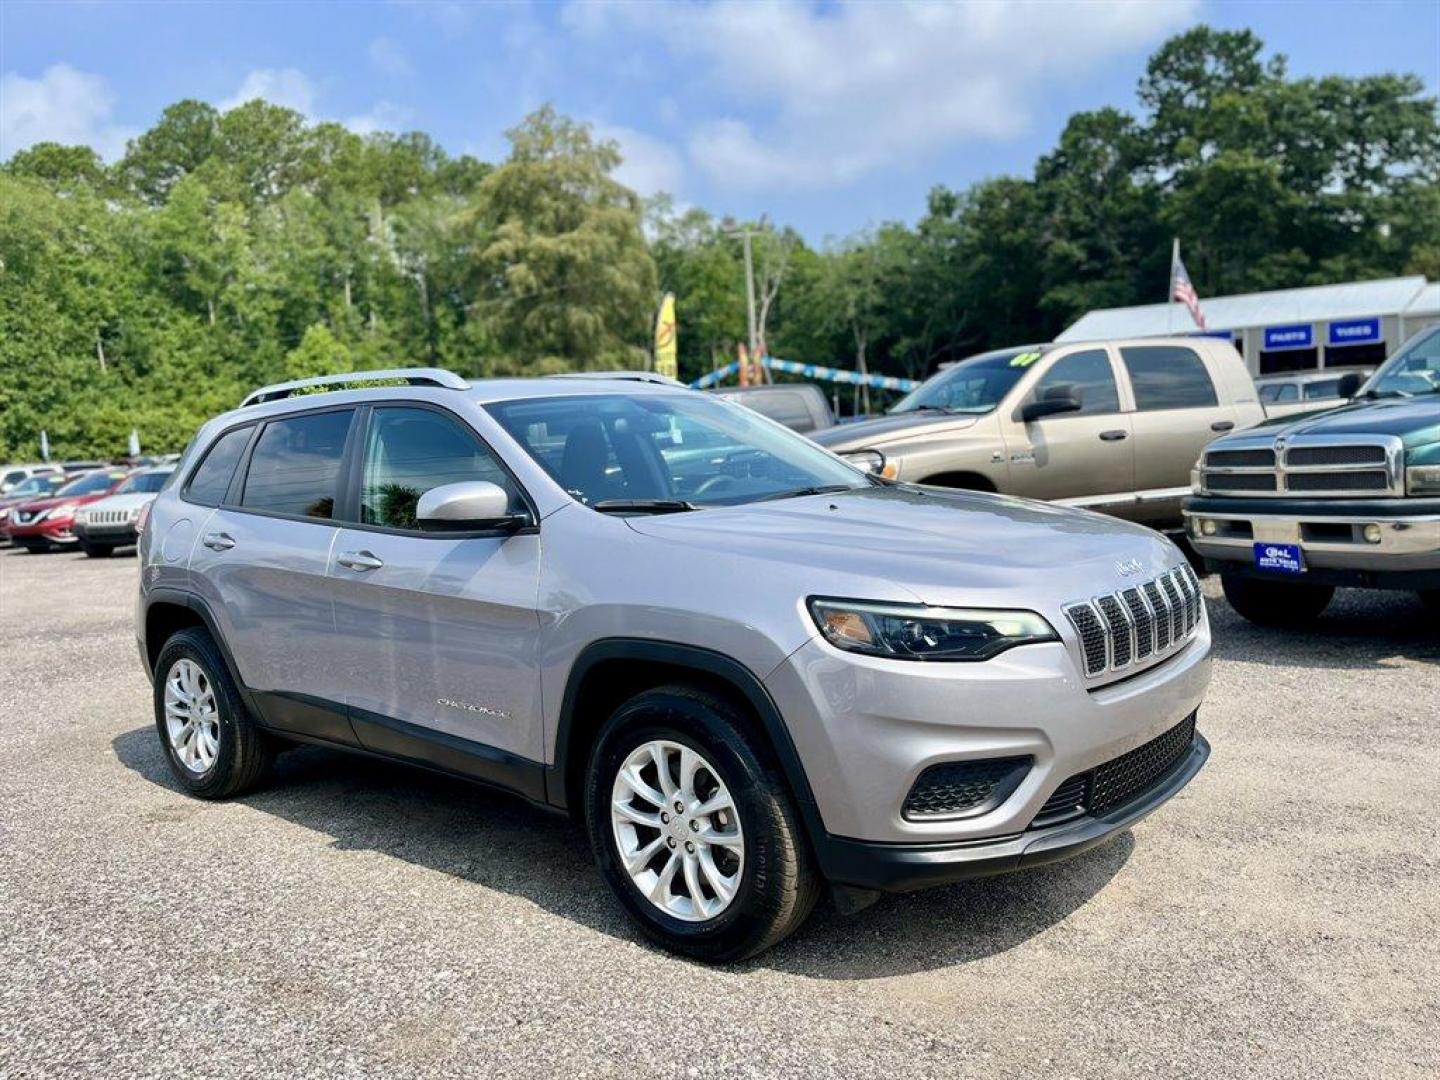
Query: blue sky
{"points": [[829, 116]]}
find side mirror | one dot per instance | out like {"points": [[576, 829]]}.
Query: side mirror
{"points": [[466, 507], [1350, 384], [1062, 398]]}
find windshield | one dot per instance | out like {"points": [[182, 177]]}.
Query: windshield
{"points": [[90, 483], [143, 483], [1415, 369], [36, 485], [975, 385], [690, 448]]}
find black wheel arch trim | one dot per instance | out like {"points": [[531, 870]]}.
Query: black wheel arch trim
{"points": [[195, 603], [707, 662]]}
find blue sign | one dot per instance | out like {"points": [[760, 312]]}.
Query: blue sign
{"points": [[1279, 558], [1355, 332], [1299, 336]]}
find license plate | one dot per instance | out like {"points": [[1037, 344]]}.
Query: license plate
{"points": [[1280, 558]]}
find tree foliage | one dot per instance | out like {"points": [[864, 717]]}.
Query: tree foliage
{"points": [[228, 249]]}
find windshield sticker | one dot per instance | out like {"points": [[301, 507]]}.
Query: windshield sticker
{"points": [[1025, 359]]}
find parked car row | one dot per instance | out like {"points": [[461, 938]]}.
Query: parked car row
{"points": [[98, 510]]}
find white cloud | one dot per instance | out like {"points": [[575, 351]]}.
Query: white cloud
{"points": [[390, 58], [63, 105], [280, 86], [383, 116], [842, 90], [649, 166]]}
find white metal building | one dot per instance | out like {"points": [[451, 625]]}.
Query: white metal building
{"points": [[1356, 323]]}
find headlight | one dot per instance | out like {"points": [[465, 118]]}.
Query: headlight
{"points": [[873, 461], [41, 516], [915, 632], [135, 513], [1423, 480]]}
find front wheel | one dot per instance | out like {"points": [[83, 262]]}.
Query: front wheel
{"points": [[693, 828], [1431, 599], [1287, 604], [97, 551]]}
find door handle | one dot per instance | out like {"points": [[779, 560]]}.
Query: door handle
{"points": [[218, 541], [1115, 435], [1222, 425], [359, 560]]}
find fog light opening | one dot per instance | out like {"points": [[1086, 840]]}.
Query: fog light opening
{"points": [[1372, 534], [1209, 527]]}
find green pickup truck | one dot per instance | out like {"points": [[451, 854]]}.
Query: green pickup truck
{"points": [[1290, 510]]}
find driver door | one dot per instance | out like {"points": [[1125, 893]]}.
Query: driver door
{"points": [[440, 632], [1085, 457]]}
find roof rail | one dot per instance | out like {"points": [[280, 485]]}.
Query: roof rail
{"points": [[416, 376], [623, 376]]}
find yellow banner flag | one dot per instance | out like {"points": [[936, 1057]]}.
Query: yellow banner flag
{"points": [[665, 362]]}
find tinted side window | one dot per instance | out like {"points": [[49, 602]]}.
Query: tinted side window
{"points": [[212, 479], [1168, 377], [1279, 392], [295, 468], [1090, 374], [410, 451], [1325, 388]]}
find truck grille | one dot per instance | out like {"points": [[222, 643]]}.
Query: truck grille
{"points": [[107, 517], [964, 788], [1121, 780], [1306, 465], [1117, 630]]}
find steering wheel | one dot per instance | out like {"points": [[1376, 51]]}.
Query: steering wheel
{"points": [[715, 482]]}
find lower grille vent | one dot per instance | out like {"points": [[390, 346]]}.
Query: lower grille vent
{"points": [[964, 788]]}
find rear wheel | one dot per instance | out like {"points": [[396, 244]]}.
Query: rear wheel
{"points": [[1431, 599], [212, 745], [1286, 604], [98, 551], [694, 829]]}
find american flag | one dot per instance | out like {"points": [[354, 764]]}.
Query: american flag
{"points": [[1183, 290]]}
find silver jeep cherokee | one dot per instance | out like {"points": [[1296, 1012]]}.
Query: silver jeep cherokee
{"points": [[752, 668]]}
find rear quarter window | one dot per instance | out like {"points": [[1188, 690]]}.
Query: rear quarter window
{"points": [[211, 480]]}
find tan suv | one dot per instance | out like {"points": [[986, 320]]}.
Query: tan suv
{"points": [[1114, 426]]}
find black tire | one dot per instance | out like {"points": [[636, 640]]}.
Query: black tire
{"points": [[1431, 599], [778, 884], [36, 549], [98, 551], [1286, 604], [245, 751]]}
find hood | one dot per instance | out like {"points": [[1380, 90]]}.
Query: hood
{"points": [[52, 502], [866, 433], [129, 501], [944, 547], [1414, 420]]}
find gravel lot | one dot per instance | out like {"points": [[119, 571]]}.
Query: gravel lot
{"points": [[1280, 918]]}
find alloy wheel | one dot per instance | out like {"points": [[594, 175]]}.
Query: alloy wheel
{"points": [[677, 831], [192, 719]]}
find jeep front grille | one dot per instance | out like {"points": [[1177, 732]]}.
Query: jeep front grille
{"points": [[1307, 465], [1118, 630]]}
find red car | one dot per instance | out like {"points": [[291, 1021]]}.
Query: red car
{"points": [[37, 487], [40, 524]]}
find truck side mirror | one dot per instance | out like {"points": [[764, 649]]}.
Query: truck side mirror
{"points": [[1061, 398], [1350, 384]]}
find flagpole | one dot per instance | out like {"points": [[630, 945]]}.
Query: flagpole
{"points": [[1174, 262]]}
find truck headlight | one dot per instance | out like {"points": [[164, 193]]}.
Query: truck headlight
{"points": [[1423, 479], [916, 632]]}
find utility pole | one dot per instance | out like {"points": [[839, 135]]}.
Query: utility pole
{"points": [[750, 295]]}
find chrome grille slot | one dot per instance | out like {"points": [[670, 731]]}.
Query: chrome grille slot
{"points": [[1151, 620], [1336, 455], [1161, 609], [1240, 459], [1143, 621], [1369, 480], [1117, 626]]}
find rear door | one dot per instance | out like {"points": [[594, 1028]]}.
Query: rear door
{"points": [[1178, 410], [262, 560], [438, 632], [1085, 457]]}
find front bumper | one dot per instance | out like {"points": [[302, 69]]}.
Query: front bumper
{"points": [[903, 867], [867, 728], [42, 534], [1330, 532], [120, 534]]}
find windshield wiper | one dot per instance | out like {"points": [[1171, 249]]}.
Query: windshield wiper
{"points": [[795, 493], [642, 506], [930, 408]]}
